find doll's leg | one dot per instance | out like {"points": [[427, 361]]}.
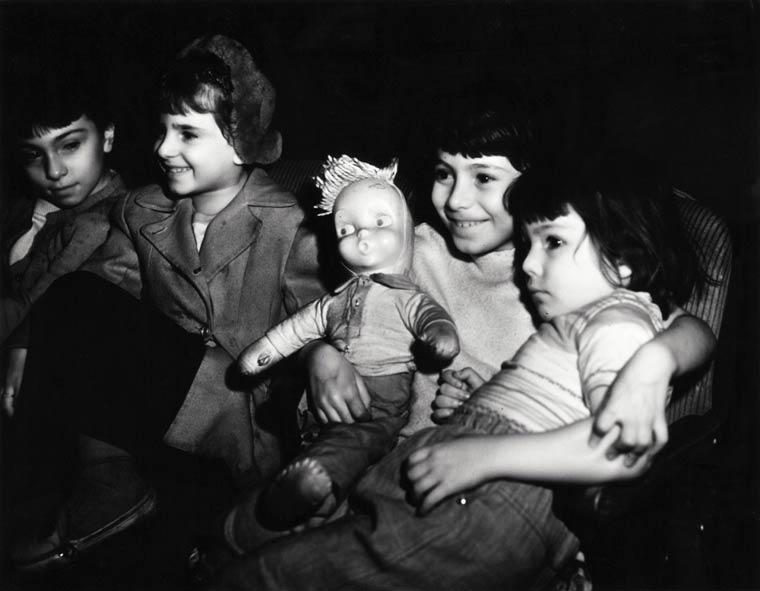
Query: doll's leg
{"points": [[317, 481]]}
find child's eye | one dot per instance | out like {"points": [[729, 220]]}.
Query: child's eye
{"points": [[441, 174], [552, 242], [345, 230], [383, 221], [71, 146], [188, 135], [29, 156], [484, 178]]}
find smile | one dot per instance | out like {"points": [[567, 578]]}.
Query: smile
{"points": [[173, 170], [466, 224]]}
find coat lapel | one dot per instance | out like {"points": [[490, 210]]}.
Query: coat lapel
{"points": [[229, 234], [173, 238]]}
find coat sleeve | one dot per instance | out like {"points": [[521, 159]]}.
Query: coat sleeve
{"points": [[116, 260], [64, 251], [302, 281]]}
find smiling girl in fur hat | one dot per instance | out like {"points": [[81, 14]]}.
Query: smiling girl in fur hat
{"points": [[216, 255]]}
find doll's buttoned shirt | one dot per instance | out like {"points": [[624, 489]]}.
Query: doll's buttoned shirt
{"points": [[372, 322]]}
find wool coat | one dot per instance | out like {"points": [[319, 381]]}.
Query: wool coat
{"points": [[257, 264], [66, 241]]}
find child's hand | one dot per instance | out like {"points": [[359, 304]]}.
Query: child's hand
{"points": [[443, 469], [636, 402], [455, 388], [257, 357], [14, 372], [337, 390], [441, 340]]}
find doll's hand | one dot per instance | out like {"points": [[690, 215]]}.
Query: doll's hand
{"points": [[440, 470], [337, 391], [441, 340], [636, 402], [257, 357], [455, 387], [14, 372]]}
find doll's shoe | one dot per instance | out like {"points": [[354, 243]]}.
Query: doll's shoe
{"points": [[302, 490], [109, 499]]}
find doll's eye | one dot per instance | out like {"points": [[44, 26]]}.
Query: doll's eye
{"points": [[346, 230], [383, 221]]}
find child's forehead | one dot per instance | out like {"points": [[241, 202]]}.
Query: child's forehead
{"points": [[42, 133], [568, 221]]}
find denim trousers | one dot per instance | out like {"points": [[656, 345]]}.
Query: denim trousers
{"points": [[499, 535]]}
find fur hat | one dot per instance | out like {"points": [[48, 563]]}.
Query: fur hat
{"points": [[253, 99]]}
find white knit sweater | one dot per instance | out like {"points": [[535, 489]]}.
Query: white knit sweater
{"points": [[480, 295]]}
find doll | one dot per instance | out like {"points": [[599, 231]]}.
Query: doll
{"points": [[375, 318]]}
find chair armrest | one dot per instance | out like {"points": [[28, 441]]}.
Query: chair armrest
{"points": [[690, 438]]}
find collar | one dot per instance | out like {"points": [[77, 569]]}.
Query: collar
{"points": [[390, 280]]}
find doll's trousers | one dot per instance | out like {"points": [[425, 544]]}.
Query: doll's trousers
{"points": [[500, 535], [346, 450]]}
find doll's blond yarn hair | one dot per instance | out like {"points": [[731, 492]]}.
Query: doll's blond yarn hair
{"points": [[338, 173]]}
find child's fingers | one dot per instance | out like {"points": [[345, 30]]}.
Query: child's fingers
{"points": [[441, 414], [451, 395], [607, 442], [471, 378], [448, 376], [434, 496]]}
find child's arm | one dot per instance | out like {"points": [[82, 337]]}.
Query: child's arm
{"points": [[562, 455], [637, 399], [14, 371], [337, 390], [559, 455]]}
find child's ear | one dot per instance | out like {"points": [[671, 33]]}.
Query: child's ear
{"points": [[624, 272], [108, 136]]}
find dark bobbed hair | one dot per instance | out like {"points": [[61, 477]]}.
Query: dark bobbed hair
{"points": [[503, 130], [51, 98], [630, 214], [199, 81]]}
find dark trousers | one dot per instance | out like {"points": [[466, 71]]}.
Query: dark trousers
{"points": [[102, 364]]}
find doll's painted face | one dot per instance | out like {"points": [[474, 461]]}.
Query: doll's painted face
{"points": [[371, 221]]}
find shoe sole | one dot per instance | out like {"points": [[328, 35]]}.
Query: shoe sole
{"points": [[69, 550]]}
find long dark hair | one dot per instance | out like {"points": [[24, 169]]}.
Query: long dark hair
{"points": [[630, 214]]}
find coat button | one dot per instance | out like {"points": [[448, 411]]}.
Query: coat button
{"points": [[205, 333]]}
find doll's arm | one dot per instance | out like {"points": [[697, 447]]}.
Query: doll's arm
{"points": [[637, 399], [433, 327], [306, 325]]}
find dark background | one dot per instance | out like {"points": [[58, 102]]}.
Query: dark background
{"points": [[675, 80]]}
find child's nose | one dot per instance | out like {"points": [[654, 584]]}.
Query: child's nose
{"points": [[459, 197], [165, 147], [55, 167], [532, 264]]}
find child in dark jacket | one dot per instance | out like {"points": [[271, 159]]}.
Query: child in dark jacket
{"points": [[63, 133]]}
